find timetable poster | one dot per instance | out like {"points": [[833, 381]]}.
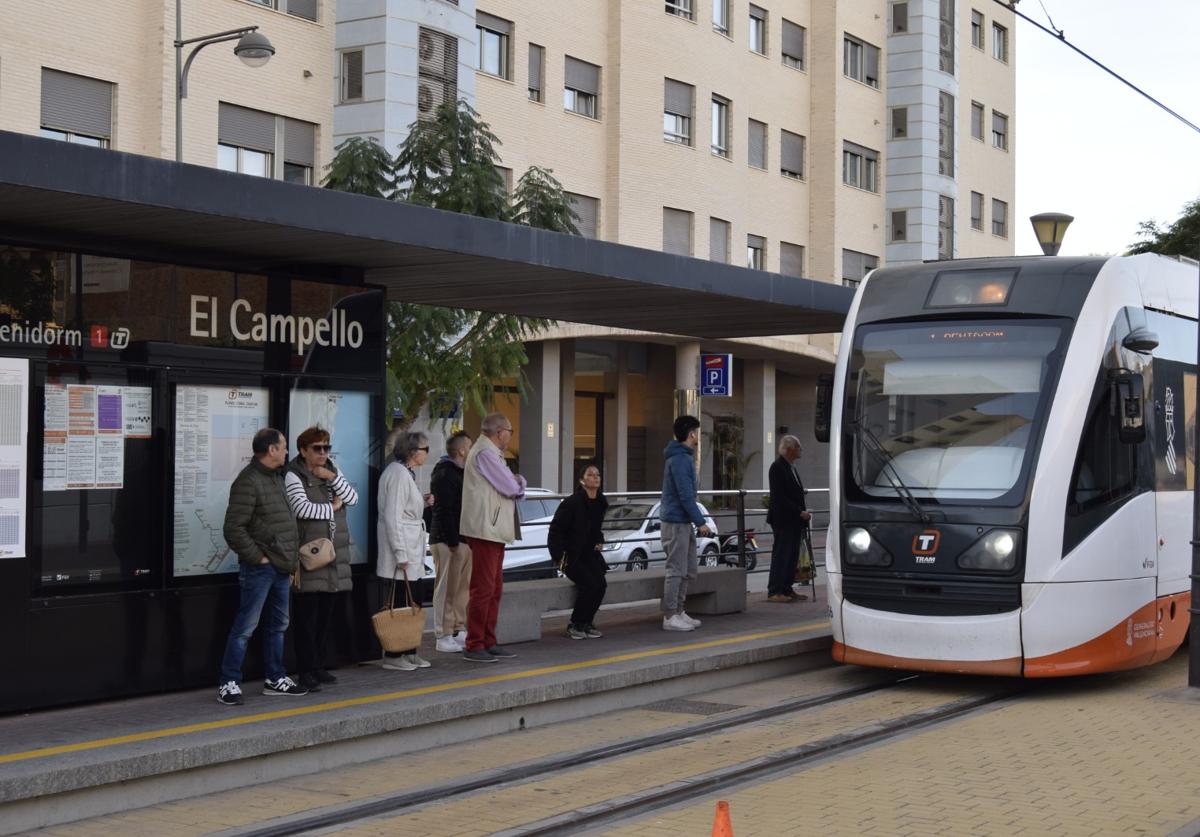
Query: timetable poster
{"points": [[54, 438], [14, 405], [81, 436], [110, 439], [84, 428]]}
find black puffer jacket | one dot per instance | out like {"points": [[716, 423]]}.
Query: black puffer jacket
{"points": [[446, 485], [259, 521], [576, 527]]}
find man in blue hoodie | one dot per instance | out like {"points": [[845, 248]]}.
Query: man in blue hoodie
{"points": [[679, 513]]}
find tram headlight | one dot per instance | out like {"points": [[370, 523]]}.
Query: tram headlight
{"points": [[864, 551], [994, 552]]}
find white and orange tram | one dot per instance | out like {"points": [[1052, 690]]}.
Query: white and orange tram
{"points": [[1011, 464]]}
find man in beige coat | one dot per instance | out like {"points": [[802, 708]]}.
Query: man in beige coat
{"points": [[489, 522]]}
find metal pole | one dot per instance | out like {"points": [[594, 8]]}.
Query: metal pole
{"points": [[178, 82], [1194, 607], [741, 527]]}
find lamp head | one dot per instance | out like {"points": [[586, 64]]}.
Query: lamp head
{"points": [[1050, 229], [254, 49]]}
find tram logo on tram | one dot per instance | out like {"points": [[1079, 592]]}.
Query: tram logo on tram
{"points": [[926, 544]]}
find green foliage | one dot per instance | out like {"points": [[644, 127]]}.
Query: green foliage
{"points": [[362, 166], [727, 443], [1182, 238], [539, 201], [26, 286]]}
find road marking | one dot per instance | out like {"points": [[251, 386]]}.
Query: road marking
{"points": [[367, 700]]}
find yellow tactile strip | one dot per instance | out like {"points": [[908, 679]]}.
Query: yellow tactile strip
{"points": [[1098, 757]]}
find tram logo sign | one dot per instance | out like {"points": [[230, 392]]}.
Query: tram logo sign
{"points": [[925, 545], [1169, 421]]}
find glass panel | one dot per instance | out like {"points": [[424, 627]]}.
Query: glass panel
{"points": [[626, 517], [93, 142], [295, 173], [52, 134], [227, 158], [490, 52], [256, 163]]}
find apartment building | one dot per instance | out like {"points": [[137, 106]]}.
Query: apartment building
{"points": [[104, 74], [815, 139]]}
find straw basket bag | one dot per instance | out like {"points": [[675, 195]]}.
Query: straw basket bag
{"points": [[399, 628]]}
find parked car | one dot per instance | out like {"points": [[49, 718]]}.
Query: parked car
{"points": [[528, 556], [632, 536]]}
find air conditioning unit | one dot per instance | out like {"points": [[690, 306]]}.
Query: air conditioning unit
{"points": [[431, 52], [427, 98]]}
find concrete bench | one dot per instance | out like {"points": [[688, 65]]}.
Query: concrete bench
{"points": [[715, 590]]}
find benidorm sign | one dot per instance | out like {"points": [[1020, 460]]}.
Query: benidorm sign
{"points": [[245, 323]]}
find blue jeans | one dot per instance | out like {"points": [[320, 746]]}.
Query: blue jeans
{"points": [[260, 585]]}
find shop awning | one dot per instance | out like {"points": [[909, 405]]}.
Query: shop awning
{"points": [[55, 194]]}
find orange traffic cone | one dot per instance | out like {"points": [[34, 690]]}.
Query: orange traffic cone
{"points": [[722, 827]]}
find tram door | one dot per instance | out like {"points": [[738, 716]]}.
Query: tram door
{"points": [[1175, 470]]}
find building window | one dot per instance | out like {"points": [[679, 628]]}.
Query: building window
{"points": [[718, 240], [299, 150], [945, 134], [537, 72], [246, 143], [977, 120], [976, 211], [945, 227], [855, 266], [243, 160], [306, 9], [946, 36], [678, 101], [899, 225], [756, 252], [76, 109], [506, 176], [899, 123], [720, 126], [680, 8], [860, 167], [758, 30], [677, 232], [793, 45], [437, 71], [587, 211], [791, 259], [756, 144], [999, 131], [860, 61], [494, 36], [899, 18], [999, 218], [721, 16], [791, 155], [581, 88], [976, 29], [352, 75], [999, 43]]}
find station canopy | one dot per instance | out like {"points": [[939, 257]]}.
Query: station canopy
{"points": [[56, 194]]}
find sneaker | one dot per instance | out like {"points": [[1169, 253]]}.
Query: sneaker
{"points": [[677, 623], [575, 633], [449, 645], [478, 657], [461, 638], [309, 681], [230, 694], [780, 598], [691, 620], [417, 660], [323, 676], [284, 686], [401, 663], [501, 652], [591, 632]]}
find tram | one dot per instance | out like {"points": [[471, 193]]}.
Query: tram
{"points": [[1012, 456]]}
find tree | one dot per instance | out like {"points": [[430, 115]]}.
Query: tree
{"points": [[1182, 238], [539, 201], [361, 165]]}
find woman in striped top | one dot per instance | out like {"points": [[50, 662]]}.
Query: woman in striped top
{"points": [[318, 495]]}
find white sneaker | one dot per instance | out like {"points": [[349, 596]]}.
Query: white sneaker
{"points": [[449, 645], [400, 663], [677, 623], [417, 661], [695, 623]]}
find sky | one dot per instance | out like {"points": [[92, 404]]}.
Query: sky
{"points": [[1089, 146]]}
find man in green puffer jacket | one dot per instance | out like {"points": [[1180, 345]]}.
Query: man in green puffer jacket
{"points": [[260, 528]]}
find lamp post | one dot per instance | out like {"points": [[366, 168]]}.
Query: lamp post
{"points": [[252, 47], [1050, 229]]}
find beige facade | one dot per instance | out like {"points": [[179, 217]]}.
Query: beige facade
{"points": [[130, 45]]}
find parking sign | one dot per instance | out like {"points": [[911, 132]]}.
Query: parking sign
{"points": [[716, 375]]}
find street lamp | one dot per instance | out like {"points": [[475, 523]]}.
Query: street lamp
{"points": [[252, 47], [1050, 228]]}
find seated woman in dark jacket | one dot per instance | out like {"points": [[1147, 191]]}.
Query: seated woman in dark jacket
{"points": [[574, 542]]}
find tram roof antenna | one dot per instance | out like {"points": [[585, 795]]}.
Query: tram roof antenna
{"points": [[876, 447]]}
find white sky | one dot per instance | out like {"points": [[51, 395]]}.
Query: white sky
{"points": [[1091, 147]]}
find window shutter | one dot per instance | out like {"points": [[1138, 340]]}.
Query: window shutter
{"points": [[861, 151], [757, 13], [588, 210], [246, 128], [582, 76], [299, 142], [77, 104], [677, 232], [496, 24], [677, 97], [535, 67], [999, 123], [718, 240], [791, 259], [306, 9], [758, 144], [871, 58], [793, 40], [976, 120], [352, 74], [791, 150]]}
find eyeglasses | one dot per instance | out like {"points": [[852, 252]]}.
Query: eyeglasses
{"points": [[425, 448], [320, 448]]}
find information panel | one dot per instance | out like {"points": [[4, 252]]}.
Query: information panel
{"points": [[214, 427], [14, 406]]}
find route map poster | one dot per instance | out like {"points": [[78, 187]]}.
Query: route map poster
{"points": [[346, 416], [214, 427]]}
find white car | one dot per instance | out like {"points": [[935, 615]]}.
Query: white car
{"points": [[528, 556], [632, 536]]}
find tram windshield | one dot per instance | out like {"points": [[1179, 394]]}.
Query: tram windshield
{"points": [[955, 407]]}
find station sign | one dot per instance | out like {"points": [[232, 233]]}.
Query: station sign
{"points": [[716, 375]]}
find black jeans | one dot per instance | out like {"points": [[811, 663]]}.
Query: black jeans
{"points": [[312, 616], [587, 571], [785, 555]]}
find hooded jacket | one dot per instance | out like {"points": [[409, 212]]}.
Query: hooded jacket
{"points": [[679, 486], [576, 527]]}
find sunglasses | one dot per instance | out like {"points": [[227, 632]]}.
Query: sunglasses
{"points": [[426, 448], [320, 448]]}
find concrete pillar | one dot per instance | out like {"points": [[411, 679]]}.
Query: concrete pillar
{"points": [[540, 415], [687, 392], [566, 416], [758, 410], [616, 424]]}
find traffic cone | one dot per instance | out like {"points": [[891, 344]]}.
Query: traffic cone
{"points": [[722, 827]]}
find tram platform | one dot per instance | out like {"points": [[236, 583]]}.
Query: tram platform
{"points": [[83, 761]]}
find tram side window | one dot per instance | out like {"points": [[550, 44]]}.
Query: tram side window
{"points": [[1107, 468]]}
